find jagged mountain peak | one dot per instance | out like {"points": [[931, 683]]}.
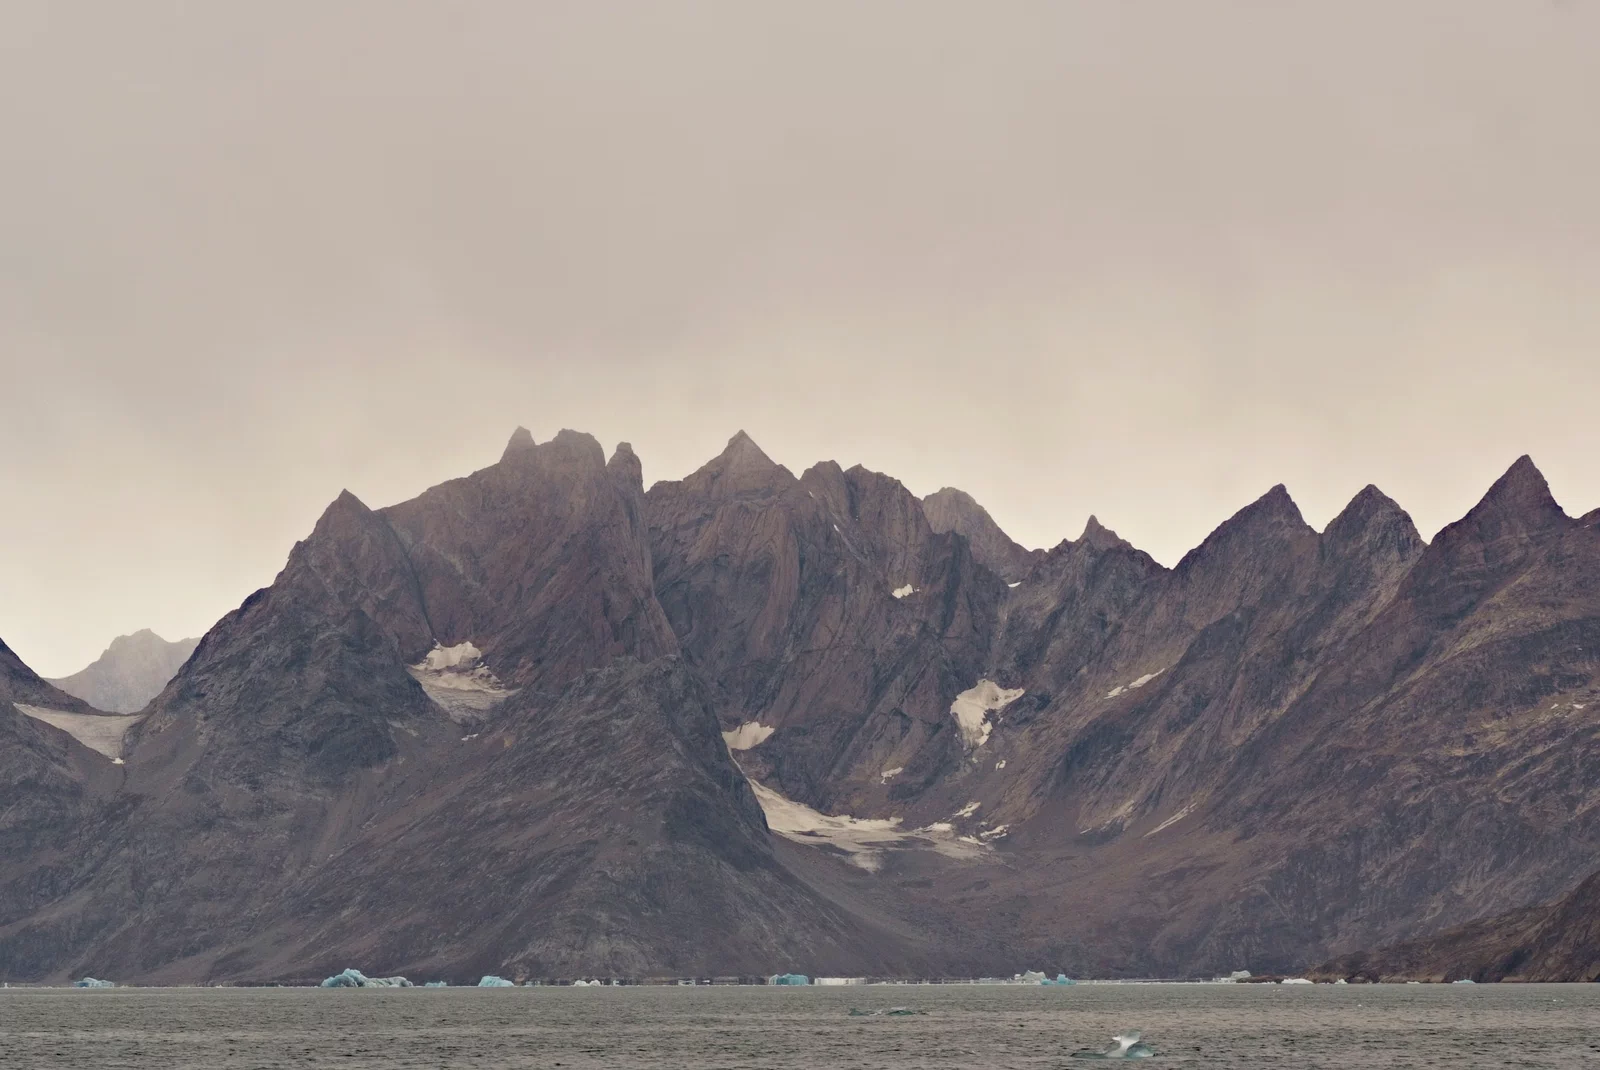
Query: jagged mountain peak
{"points": [[952, 509], [742, 454], [1099, 537], [1522, 489], [1373, 512], [521, 441]]}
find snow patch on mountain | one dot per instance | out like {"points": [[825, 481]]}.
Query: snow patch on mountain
{"points": [[748, 735], [99, 732], [458, 681], [972, 707], [862, 839]]}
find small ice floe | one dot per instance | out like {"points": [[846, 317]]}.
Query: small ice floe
{"points": [[458, 681], [901, 592], [1341, 981], [972, 708], [1464, 981], [437, 984], [93, 982], [748, 735], [1128, 1046], [491, 981], [1295, 981]]}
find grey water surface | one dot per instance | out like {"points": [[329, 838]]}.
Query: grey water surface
{"points": [[996, 1028]]}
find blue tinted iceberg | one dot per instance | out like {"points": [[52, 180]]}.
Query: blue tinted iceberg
{"points": [[491, 981], [437, 984], [92, 982], [1128, 1046], [357, 979], [789, 979]]}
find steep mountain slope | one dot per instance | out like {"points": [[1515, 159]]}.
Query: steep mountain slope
{"points": [[1557, 941], [955, 510], [131, 672], [479, 731], [301, 721], [826, 609]]}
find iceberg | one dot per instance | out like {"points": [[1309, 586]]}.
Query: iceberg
{"points": [[1061, 979], [1295, 981], [789, 979], [1128, 1046], [437, 984], [93, 982], [491, 981], [1464, 981], [357, 979]]}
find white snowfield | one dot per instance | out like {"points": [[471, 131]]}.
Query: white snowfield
{"points": [[748, 735], [862, 839], [1135, 685], [972, 707], [102, 733], [901, 592], [458, 681]]}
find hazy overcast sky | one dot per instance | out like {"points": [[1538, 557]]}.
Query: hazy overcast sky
{"points": [[1134, 258]]}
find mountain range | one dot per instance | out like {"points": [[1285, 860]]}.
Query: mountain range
{"points": [[131, 672], [543, 722]]}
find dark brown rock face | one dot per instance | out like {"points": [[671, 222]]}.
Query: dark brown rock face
{"points": [[956, 510], [1288, 747], [1557, 941]]}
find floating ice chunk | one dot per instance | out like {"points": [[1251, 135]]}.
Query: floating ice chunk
{"points": [[491, 981], [1462, 981], [972, 707], [901, 592], [357, 979], [456, 678], [1341, 981], [101, 732], [93, 982], [748, 735], [1295, 981], [1060, 979], [789, 979], [969, 809], [437, 984]]}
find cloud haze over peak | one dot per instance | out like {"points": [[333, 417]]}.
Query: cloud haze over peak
{"points": [[1137, 259]]}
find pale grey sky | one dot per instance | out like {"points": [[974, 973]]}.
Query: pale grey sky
{"points": [[1136, 258]]}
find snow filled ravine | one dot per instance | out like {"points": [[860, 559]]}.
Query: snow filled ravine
{"points": [[101, 732], [864, 840], [456, 678], [972, 707]]}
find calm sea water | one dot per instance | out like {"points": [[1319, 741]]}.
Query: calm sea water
{"points": [[769, 1029]]}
